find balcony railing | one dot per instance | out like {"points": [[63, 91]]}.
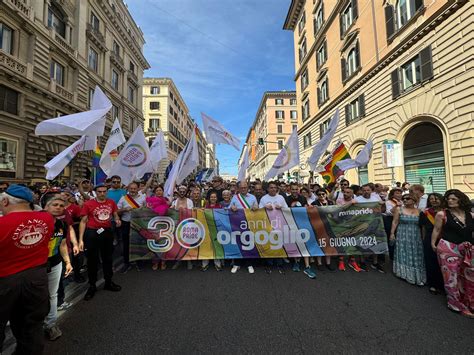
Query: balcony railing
{"points": [[12, 63], [132, 77], [96, 37], [58, 89], [19, 6], [64, 45], [115, 59]]}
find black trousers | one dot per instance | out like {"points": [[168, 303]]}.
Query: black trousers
{"points": [[99, 245], [24, 301], [125, 230]]}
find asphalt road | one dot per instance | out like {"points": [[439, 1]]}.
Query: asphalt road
{"points": [[180, 311]]}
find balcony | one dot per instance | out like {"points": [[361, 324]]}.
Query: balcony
{"points": [[117, 61], [64, 45], [12, 63], [96, 37], [19, 6], [58, 89], [132, 77]]}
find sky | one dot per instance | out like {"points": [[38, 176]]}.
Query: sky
{"points": [[222, 56]]}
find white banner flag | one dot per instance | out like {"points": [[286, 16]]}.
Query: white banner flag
{"points": [[243, 166], [187, 161], [216, 133], [158, 150], [91, 143], [321, 147], [116, 139], [134, 160], [91, 123], [60, 161], [362, 158], [288, 157]]}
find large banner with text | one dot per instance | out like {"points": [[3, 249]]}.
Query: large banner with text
{"points": [[287, 233]]}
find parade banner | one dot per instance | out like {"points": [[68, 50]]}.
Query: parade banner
{"points": [[199, 234]]}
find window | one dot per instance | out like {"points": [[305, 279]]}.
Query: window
{"points": [[171, 111], [351, 64], [115, 112], [131, 94], [294, 127], [93, 59], [116, 49], [305, 110], [304, 79], [398, 16], [132, 124], [56, 72], [322, 55], [280, 114], [280, 144], [154, 123], [302, 50], [280, 129], [292, 101], [95, 23], [293, 114], [115, 79], [323, 127], [132, 67], [355, 110], [154, 105], [8, 155], [278, 101], [155, 90], [307, 140], [8, 100], [56, 20], [318, 18], [347, 16], [6, 38], [171, 96], [323, 92], [414, 72], [91, 96], [302, 23]]}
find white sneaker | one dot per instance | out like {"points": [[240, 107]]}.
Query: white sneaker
{"points": [[250, 269], [235, 268]]}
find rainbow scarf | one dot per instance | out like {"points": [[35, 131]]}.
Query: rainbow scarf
{"points": [[131, 201], [331, 171]]}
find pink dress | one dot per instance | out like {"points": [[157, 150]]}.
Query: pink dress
{"points": [[159, 205]]}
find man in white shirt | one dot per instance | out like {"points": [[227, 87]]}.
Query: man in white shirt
{"points": [[419, 192], [347, 196], [272, 200], [243, 200]]}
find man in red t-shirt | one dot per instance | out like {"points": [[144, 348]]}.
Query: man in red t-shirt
{"points": [[96, 237], [24, 298]]}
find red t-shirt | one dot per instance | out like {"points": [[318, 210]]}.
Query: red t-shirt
{"points": [[24, 238], [74, 212], [99, 213]]}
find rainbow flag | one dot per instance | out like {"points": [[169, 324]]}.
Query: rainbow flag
{"points": [[331, 171], [98, 174]]}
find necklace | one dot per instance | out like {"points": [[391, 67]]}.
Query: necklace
{"points": [[458, 219]]}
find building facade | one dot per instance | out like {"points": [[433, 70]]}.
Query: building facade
{"points": [[398, 70], [52, 56], [275, 120]]}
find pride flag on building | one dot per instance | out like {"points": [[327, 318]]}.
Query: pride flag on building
{"points": [[98, 174], [328, 169]]}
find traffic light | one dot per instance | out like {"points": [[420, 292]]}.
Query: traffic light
{"points": [[260, 141]]}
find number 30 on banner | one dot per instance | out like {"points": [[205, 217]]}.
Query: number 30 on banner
{"points": [[166, 239]]}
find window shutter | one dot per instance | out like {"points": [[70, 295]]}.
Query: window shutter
{"points": [[325, 50], [357, 54], [340, 25], [362, 105], [343, 69], [320, 130], [309, 139], [347, 115], [426, 64], [389, 21], [418, 5], [327, 89], [355, 13], [322, 11], [395, 84], [319, 97]]}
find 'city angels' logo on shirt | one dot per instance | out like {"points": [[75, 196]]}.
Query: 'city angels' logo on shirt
{"points": [[28, 235], [102, 213]]}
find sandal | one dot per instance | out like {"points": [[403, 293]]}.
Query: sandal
{"points": [[154, 267], [433, 291]]}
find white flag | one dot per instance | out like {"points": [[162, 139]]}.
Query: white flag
{"points": [[158, 150], [320, 148], [362, 158], [134, 159], [243, 166], [187, 161], [288, 157], [91, 143], [216, 133], [116, 139], [91, 123], [60, 161]]}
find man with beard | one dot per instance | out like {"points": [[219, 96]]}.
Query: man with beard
{"points": [[258, 191]]}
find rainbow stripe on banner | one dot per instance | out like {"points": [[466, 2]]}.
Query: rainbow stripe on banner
{"points": [[331, 171], [286, 233]]}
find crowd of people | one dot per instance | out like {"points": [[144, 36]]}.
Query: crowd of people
{"points": [[53, 233]]}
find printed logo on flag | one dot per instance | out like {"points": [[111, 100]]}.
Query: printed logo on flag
{"points": [[135, 156], [190, 233]]}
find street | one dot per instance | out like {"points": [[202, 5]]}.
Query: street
{"points": [[195, 312]]}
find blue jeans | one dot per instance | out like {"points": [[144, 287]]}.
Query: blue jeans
{"points": [[53, 284]]}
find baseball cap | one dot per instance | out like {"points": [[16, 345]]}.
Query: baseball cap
{"points": [[21, 192]]}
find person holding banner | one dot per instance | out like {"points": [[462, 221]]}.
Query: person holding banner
{"points": [[127, 203], [322, 200], [243, 200], [160, 205], [212, 204]]}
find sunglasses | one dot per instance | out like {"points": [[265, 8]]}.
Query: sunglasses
{"points": [[321, 194], [407, 198], [116, 182]]}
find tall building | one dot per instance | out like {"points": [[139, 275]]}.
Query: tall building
{"points": [[275, 120], [52, 56], [165, 110], [397, 70]]}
